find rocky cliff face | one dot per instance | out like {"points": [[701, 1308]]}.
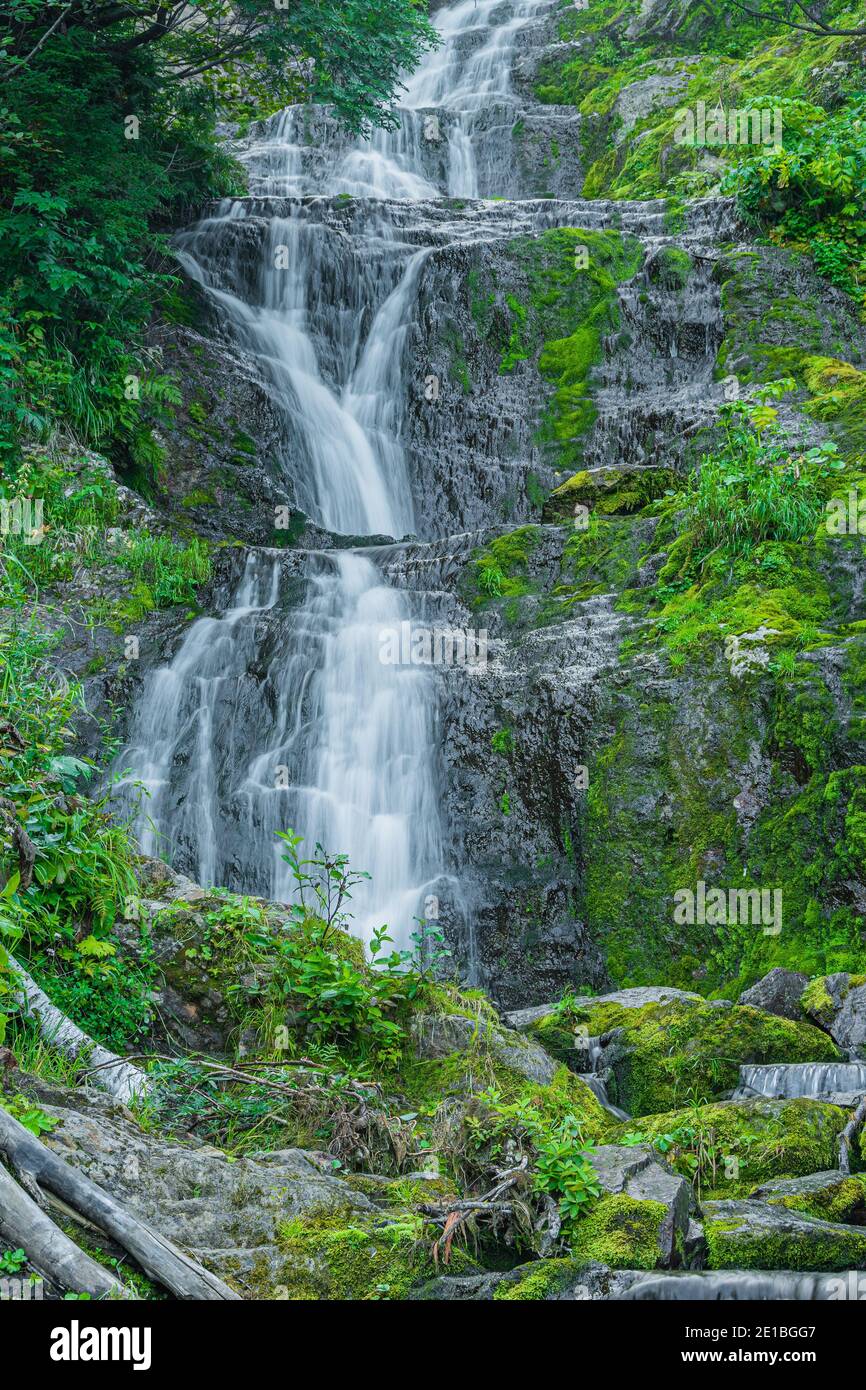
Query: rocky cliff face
{"points": [[562, 368]]}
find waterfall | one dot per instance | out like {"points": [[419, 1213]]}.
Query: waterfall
{"points": [[790, 1080], [280, 711], [453, 123]]}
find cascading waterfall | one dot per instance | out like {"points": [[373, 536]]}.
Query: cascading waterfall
{"points": [[791, 1080], [280, 713], [447, 109]]}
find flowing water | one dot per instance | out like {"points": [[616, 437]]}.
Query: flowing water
{"points": [[280, 712], [813, 1080]]}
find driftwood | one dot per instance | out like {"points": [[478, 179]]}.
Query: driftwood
{"points": [[849, 1134], [37, 1167], [49, 1251], [111, 1073]]}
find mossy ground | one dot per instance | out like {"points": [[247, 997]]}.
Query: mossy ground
{"points": [[337, 1255]]}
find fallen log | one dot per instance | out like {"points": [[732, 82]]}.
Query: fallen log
{"points": [[57, 1258], [163, 1261], [113, 1074]]}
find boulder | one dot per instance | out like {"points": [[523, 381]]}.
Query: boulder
{"points": [[779, 992], [837, 1003], [759, 1235], [831, 1195], [436, 1035], [639, 1172]]}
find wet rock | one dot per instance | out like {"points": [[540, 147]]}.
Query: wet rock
{"points": [[779, 992]]}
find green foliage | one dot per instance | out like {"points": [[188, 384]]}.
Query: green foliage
{"points": [[31, 1116], [811, 189], [561, 1155], [80, 528], [11, 1261], [63, 922], [362, 1007], [756, 489]]}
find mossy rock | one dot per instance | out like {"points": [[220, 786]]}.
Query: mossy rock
{"points": [[610, 491], [666, 1052], [622, 1232], [756, 1235], [543, 1279], [337, 1255], [466, 1074], [731, 1147], [830, 1196]]}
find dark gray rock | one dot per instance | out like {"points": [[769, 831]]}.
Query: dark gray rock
{"points": [[778, 993]]}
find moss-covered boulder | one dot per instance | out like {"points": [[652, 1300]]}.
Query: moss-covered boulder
{"points": [[642, 1174], [623, 1232], [830, 1196], [336, 1255], [838, 1004], [731, 1147], [757, 1235], [665, 1053]]}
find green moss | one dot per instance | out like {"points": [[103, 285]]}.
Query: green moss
{"points": [[345, 1255], [462, 1075], [816, 1001], [534, 1282], [678, 1049], [621, 1232], [766, 1138], [671, 268], [609, 492], [734, 1244], [560, 303], [842, 1200], [500, 570]]}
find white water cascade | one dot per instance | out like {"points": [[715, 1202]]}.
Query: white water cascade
{"points": [[280, 712], [450, 103]]}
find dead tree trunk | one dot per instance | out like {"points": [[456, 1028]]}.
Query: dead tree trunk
{"points": [[119, 1078], [53, 1254]]}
